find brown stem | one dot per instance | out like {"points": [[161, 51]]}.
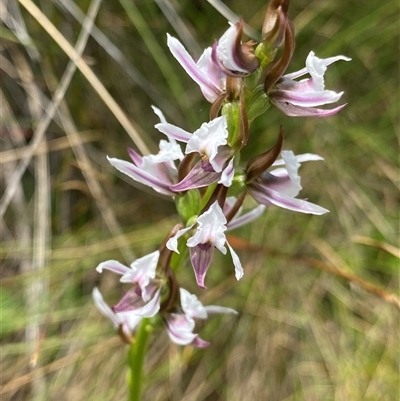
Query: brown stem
{"points": [[239, 201], [216, 106]]}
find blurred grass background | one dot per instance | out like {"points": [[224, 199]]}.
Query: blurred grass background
{"points": [[303, 333]]}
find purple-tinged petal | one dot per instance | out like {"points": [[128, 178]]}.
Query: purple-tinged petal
{"points": [[213, 73], [227, 175], [142, 271], [141, 176], [180, 328], [245, 218], [172, 243], [191, 306], [172, 131], [103, 308], [198, 177], [113, 266], [305, 99], [199, 343], [298, 111], [201, 257], [152, 307], [132, 302], [180, 331], [278, 180], [127, 320], [136, 158], [236, 262], [266, 196], [210, 89]]}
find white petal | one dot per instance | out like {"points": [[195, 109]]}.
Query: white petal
{"points": [[158, 182], [103, 308], [226, 48], [172, 131], [191, 305], [207, 139], [168, 152], [113, 266], [160, 114], [129, 321], [236, 262], [180, 329], [151, 308], [212, 309], [292, 167], [305, 157], [142, 270], [326, 61], [210, 89], [211, 228], [227, 175], [172, 243]]}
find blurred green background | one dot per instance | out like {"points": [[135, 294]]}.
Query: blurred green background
{"points": [[304, 332]]}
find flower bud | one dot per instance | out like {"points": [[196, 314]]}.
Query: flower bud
{"points": [[273, 31], [276, 70], [233, 57]]}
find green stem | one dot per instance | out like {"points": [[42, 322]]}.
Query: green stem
{"points": [[136, 356]]}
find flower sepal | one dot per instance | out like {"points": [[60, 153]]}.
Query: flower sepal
{"points": [[273, 30]]}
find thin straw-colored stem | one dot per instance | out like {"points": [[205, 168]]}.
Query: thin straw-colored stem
{"points": [[76, 62]]}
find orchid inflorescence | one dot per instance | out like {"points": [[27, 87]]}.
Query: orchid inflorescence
{"points": [[205, 177]]}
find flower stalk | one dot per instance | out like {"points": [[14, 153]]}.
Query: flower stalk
{"points": [[136, 358]]}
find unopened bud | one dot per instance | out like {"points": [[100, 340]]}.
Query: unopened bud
{"points": [[273, 31], [235, 58]]}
